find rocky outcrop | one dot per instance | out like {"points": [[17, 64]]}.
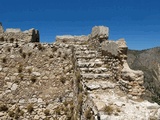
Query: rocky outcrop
{"points": [[16, 35]]}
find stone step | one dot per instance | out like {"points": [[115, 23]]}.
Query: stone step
{"points": [[77, 43], [86, 52], [95, 59], [94, 70], [90, 64], [81, 46], [94, 85], [86, 56], [91, 60], [95, 76]]}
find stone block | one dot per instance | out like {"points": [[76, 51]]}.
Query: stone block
{"points": [[101, 32]]}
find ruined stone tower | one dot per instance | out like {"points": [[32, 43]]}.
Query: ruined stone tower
{"points": [[1, 28], [11, 35]]}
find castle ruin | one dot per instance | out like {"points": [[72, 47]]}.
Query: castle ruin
{"points": [[75, 78]]}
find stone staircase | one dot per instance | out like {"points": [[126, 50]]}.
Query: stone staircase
{"points": [[97, 78], [96, 75], [107, 88]]}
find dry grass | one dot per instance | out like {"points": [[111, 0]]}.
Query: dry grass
{"points": [[30, 108], [62, 79], [33, 79], [47, 112], [20, 68], [88, 114], [3, 107], [109, 110]]}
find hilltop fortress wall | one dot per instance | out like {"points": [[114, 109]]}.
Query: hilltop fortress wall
{"points": [[16, 35], [102, 75], [75, 78]]}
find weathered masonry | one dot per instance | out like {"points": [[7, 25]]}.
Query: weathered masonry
{"points": [[104, 84], [16, 35]]}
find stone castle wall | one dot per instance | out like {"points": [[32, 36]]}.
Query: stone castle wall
{"points": [[103, 82], [76, 78], [16, 35]]}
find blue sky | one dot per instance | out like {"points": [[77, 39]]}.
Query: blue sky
{"points": [[138, 21]]}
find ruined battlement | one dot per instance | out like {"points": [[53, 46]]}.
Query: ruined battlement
{"points": [[12, 35]]}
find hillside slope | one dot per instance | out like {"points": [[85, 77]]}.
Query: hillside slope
{"points": [[149, 62]]}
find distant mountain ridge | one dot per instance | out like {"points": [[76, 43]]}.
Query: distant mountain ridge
{"points": [[149, 62]]}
